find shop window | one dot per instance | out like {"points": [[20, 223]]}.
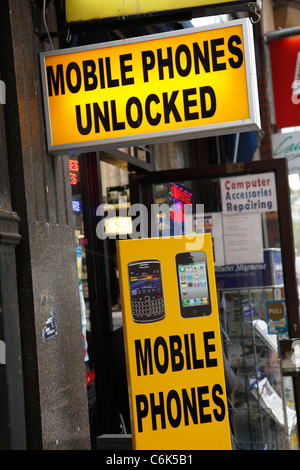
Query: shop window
{"points": [[241, 211]]}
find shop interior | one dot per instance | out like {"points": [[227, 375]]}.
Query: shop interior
{"points": [[262, 409]]}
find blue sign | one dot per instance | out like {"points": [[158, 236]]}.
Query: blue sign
{"points": [[246, 308], [268, 273], [76, 206]]}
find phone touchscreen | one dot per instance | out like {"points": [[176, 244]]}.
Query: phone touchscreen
{"points": [[193, 284]]}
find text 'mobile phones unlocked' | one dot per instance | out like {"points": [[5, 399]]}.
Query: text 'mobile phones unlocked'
{"points": [[146, 291], [193, 284]]}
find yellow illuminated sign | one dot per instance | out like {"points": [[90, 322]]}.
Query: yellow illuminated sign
{"points": [[173, 346], [164, 87], [79, 10]]}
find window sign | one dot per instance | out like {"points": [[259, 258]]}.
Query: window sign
{"points": [[76, 206], [246, 194]]}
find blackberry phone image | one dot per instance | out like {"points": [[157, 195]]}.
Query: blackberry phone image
{"points": [[146, 291], [193, 284]]}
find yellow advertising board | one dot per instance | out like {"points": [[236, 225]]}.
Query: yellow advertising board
{"points": [[173, 346], [79, 10], [171, 86]]}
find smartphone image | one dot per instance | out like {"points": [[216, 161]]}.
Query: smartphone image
{"points": [[193, 284], [146, 291]]}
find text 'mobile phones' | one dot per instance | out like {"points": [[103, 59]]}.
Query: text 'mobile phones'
{"points": [[193, 284], [146, 291]]}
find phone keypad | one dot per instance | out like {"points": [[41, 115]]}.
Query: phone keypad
{"points": [[148, 310]]}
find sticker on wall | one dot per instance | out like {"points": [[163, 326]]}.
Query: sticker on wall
{"points": [[50, 329], [248, 194]]}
